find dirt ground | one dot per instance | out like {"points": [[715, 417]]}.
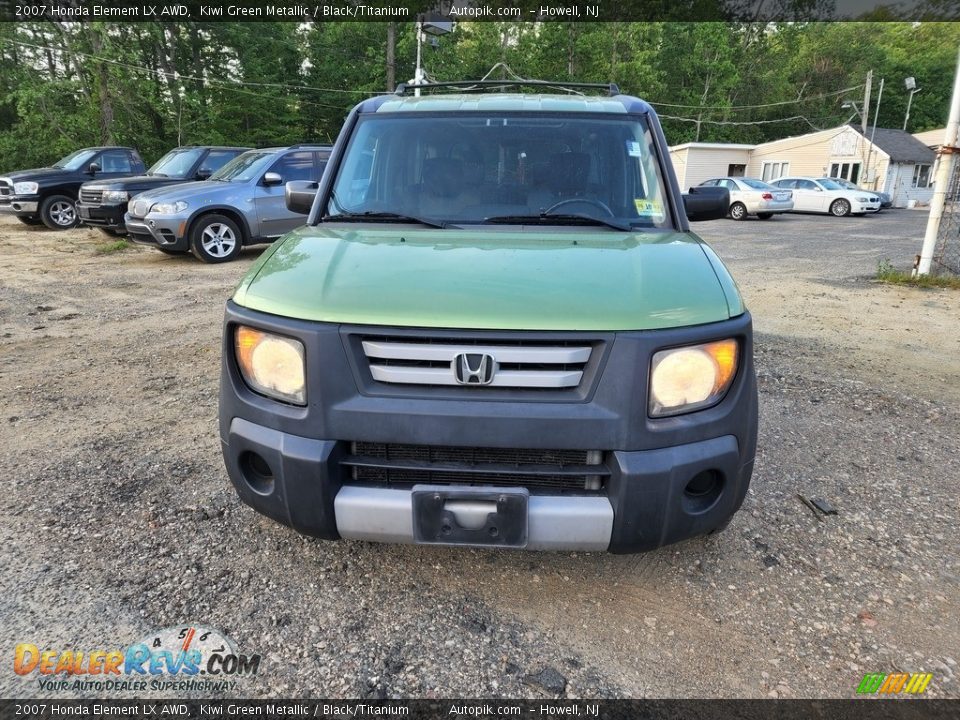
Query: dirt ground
{"points": [[118, 518]]}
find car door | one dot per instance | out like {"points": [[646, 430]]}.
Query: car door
{"points": [[272, 213], [114, 164], [805, 196], [819, 198], [735, 194]]}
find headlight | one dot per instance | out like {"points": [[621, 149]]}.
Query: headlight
{"points": [[25, 188], [691, 378], [865, 199], [271, 365], [169, 208], [117, 196]]}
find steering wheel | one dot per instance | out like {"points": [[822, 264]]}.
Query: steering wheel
{"points": [[586, 201]]}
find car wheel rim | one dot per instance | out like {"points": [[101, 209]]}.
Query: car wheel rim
{"points": [[737, 212], [841, 208], [63, 213], [218, 240]]}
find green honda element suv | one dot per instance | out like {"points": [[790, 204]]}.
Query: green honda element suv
{"points": [[495, 329]]}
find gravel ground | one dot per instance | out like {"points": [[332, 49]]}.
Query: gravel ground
{"points": [[119, 518]]}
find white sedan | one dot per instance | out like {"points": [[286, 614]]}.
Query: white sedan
{"points": [[825, 195], [753, 197]]}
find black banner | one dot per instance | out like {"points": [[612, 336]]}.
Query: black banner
{"points": [[477, 10], [860, 709]]}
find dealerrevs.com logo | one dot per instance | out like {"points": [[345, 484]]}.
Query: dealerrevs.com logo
{"points": [[187, 657]]}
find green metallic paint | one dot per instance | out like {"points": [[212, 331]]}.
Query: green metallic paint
{"points": [[491, 278], [504, 102]]}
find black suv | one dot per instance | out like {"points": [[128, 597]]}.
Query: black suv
{"points": [[48, 195], [103, 204]]}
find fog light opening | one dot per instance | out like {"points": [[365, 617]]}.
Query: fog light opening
{"points": [[257, 472], [702, 491]]}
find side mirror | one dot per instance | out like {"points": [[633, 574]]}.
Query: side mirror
{"points": [[272, 178], [706, 203], [299, 195], [93, 168], [203, 173]]}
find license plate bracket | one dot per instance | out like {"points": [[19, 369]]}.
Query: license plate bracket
{"points": [[490, 517]]}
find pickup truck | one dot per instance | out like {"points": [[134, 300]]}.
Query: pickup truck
{"points": [[48, 195], [496, 329]]}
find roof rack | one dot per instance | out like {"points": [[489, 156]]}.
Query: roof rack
{"points": [[307, 145], [467, 85]]}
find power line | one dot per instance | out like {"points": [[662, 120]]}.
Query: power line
{"points": [[180, 76], [743, 122], [764, 105]]}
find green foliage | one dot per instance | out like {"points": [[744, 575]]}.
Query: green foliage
{"points": [[155, 86], [887, 273]]}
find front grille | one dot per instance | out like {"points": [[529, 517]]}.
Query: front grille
{"points": [[549, 364], [534, 469], [91, 197]]}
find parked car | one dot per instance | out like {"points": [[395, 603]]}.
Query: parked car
{"points": [[825, 195], [500, 332], [886, 199], [753, 197], [103, 204], [48, 195], [240, 204]]}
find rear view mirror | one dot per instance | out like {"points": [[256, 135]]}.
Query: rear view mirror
{"points": [[706, 203], [299, 195]]}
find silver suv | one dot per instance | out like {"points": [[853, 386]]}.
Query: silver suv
{"points": [[240, 204]]}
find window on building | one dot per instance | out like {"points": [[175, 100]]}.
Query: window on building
{"points": [[847, 171], [921, 176], [736, 170], [774, 170]]}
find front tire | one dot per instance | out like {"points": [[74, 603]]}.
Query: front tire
{"points": [[215, 239], [764, 216], [738, 211], [58, 212], [31, 220], [840, 208]]}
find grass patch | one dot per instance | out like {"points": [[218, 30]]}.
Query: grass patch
{"points": [[115, 246], [887, 273]]}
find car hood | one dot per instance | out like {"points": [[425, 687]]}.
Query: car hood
{"points": [[137, 183], [494, 278], [36, 174], [187, 190]]}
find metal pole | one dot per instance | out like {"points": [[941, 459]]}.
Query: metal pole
{"points": [[947, 155], [418, 75], [876, 111], [909, 103]]}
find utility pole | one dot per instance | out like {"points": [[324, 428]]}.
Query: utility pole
{"points": [[947, 154], [876, 111], [865, 117], [391, 57]]}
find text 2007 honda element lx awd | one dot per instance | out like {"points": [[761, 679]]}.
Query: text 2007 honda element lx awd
{"points": [[495, 329]]}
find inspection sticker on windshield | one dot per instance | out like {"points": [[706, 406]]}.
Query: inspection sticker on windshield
{"points": [[633, 149], [649, 208]]}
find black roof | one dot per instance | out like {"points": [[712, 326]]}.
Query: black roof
{"points": [[901, 146]]}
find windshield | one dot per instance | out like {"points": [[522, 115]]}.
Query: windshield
{"points": [[831, 184], [757, 184], [845, 183], [176, 163], [75, 160], [243, 167], [480, 167]]}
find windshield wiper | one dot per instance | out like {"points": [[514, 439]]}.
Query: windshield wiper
{"points": [[388, 216], [573, 218], [158, 174]]}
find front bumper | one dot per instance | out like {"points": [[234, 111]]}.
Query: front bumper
{"points": [[110, 216], [16, 206], [861, 208], [647, 464], [157, 230]]}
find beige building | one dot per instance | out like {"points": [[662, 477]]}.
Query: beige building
{"points": [[894, 162]]}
